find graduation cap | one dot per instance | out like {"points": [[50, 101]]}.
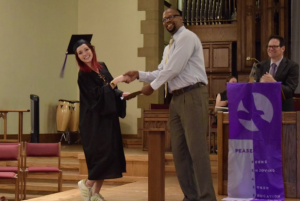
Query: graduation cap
{"points": [[75, 42]]}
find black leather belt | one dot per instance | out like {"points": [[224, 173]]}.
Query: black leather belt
{"points": [[188, 88]]}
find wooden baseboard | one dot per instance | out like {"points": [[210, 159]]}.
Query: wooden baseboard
{"points": [[46, 137], [55, 137], [130, 136]]}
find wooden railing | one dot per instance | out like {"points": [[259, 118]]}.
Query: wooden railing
{"points": [[3, 114]]}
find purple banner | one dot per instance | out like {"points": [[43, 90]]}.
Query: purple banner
{"points": [[255, 129]]}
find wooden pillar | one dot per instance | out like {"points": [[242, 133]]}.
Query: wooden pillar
{"points": [[156, 166], [246, 34], [240, 39], [249, 33], [284, 14], [267, 25], [269, 8], [298, 155], [220, 154]]}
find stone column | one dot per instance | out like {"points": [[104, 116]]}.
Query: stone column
{"points": [[153, 31]]}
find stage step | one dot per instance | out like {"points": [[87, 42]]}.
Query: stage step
{"points": [[132, 143], [137, 169]]}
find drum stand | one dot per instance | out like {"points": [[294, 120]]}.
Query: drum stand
{"points": [[78, 140], [66, 136]]}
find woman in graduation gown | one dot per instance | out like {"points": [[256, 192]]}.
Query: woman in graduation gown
{"points": [[100, 109]]}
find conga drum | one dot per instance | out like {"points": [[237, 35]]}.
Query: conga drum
{"points": [[74, 119], [63, 114]]}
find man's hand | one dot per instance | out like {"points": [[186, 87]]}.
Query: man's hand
{"points": [[267, 78], [133, 75], [126, 79], [147, 90]]}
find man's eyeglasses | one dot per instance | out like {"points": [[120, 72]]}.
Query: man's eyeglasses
{"points": [[272, 46], [169, 18]]}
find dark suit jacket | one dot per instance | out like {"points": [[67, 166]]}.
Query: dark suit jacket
{"points": [[287, 73]]}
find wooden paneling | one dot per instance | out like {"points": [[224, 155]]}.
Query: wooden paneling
{"points": [[216, 84], [221, 59], [249, 17], [206, 54], [213, 33], [290, 153], [218, 57], [218, 65], [243, 77]]}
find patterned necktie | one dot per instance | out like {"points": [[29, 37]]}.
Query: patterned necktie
{"points": [[273, 69], [167, 57]]}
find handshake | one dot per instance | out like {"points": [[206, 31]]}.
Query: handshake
{"points": [[128, 77]]}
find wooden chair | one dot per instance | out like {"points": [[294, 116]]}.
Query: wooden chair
{"points": [[11, 154], [44, 151]]}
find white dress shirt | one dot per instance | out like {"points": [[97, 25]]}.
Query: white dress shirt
{"points": [[277, 64], [185, 64]]}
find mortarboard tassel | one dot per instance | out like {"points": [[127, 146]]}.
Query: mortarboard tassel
{"points": [[63, 67]]}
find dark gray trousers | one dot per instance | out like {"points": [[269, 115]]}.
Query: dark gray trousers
{"points": [[188, 125]]}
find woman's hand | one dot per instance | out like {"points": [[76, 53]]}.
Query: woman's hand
{"points": [[121, 78], [125, 94]]}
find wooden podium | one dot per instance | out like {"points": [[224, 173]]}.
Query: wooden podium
{"points": [[290, 153], [156, 125]]}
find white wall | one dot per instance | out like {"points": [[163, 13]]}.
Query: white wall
{"points": [[117, 37], [34, 36]]}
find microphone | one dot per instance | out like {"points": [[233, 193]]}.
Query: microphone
{"points": [[256, 65], [249, 58]]}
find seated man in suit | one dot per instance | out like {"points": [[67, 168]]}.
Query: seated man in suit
{"points": [[279, 69]]}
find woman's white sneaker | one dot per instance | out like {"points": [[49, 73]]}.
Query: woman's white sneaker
{"points": [[85, 192], [97, 197]]}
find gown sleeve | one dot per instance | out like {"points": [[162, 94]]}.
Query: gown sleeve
{"points": [[101, 98], [121, 104]]}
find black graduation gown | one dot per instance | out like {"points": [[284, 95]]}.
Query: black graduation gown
{"points": [[100, 108]]}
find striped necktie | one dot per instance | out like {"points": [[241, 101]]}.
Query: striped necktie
{"points": [[167, 57], [273, 69]]}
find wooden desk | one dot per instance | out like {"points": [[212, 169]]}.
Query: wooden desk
{"points": [[290, 153], [3, 114], [156, 124]]}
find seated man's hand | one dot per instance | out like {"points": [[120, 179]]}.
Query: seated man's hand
{"points": [[267, 78]]}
